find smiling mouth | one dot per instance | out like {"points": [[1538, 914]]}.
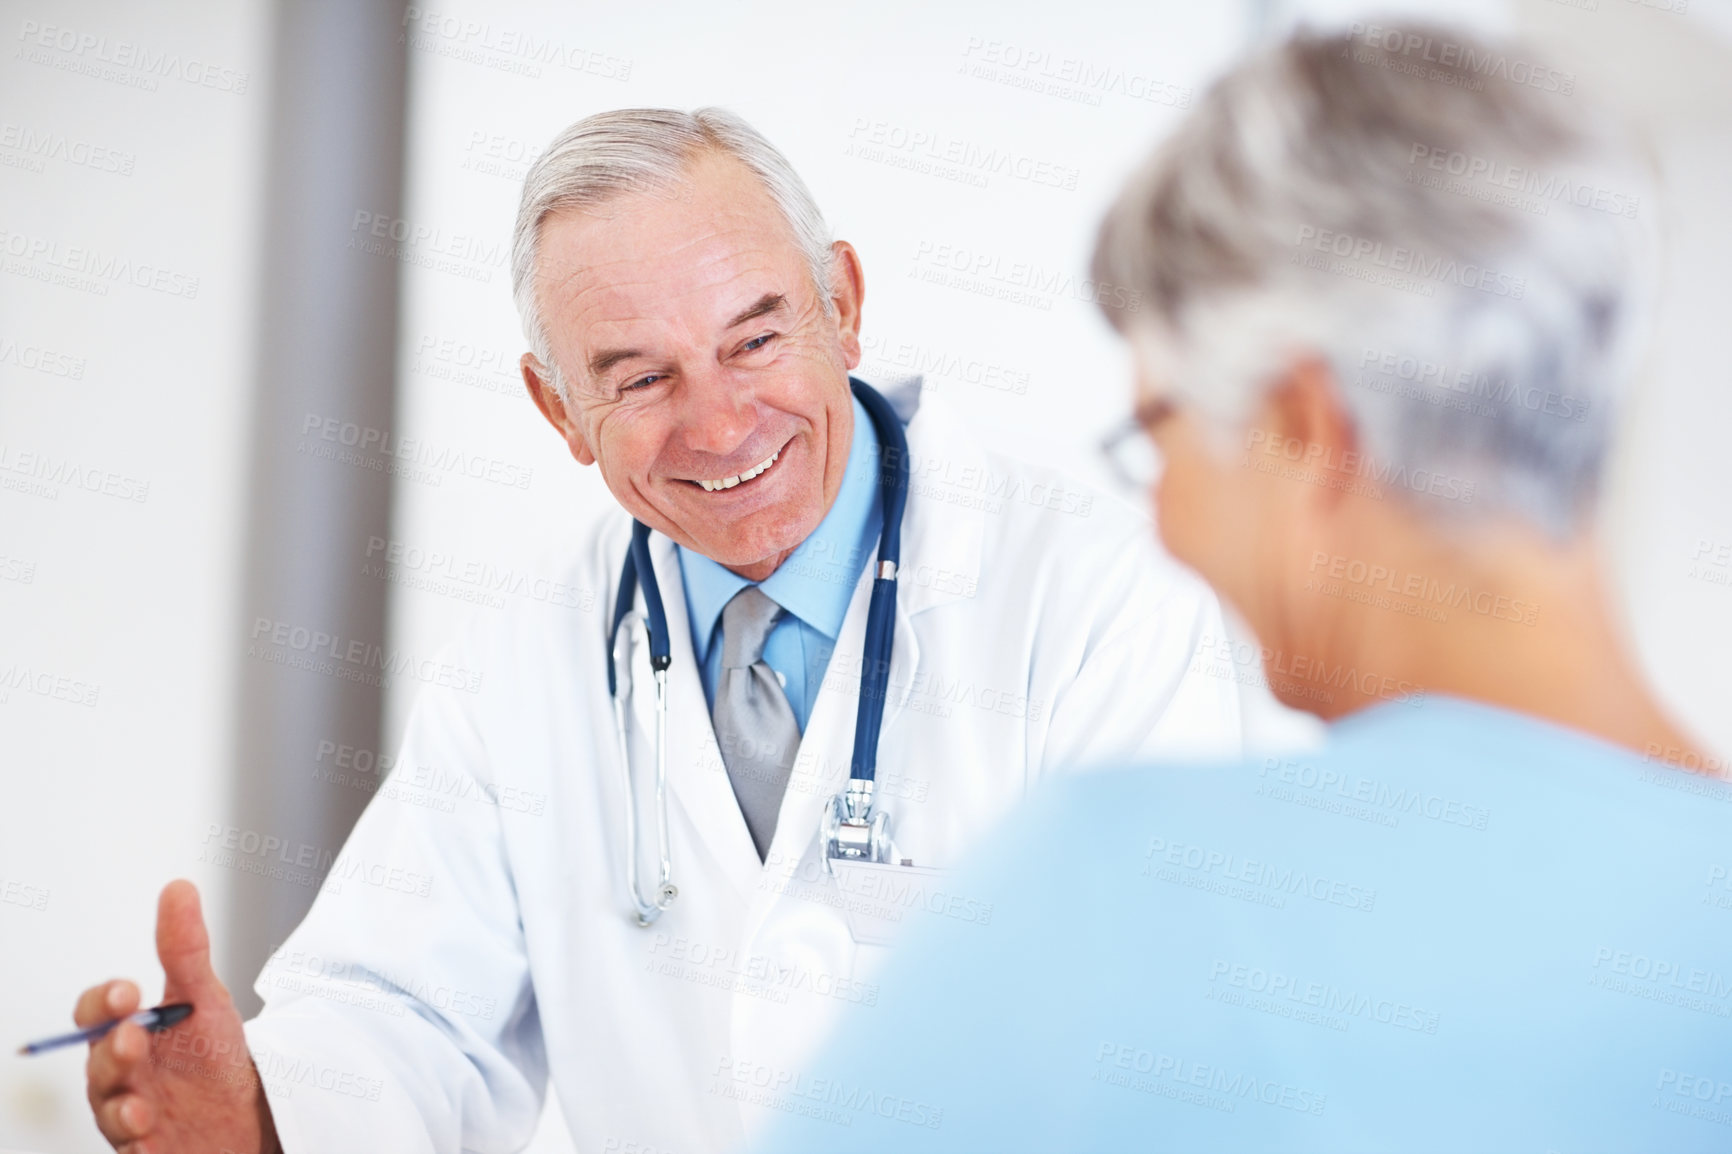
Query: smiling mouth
{"points": [[742, 478]]}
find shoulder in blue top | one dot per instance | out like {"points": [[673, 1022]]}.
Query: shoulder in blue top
{"points": [[814, 584], [1453, 928]]}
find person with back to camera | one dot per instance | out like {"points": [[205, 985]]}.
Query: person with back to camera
{"points": [[1482, 916]]}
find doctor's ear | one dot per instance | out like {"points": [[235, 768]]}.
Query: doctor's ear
{"points": [[538, 378], [847, 295]]}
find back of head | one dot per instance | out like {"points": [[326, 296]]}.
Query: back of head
{"points": [[1461, 242]]}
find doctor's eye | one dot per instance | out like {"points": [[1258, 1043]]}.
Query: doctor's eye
{"points": [[642, 382], [757, 343]]}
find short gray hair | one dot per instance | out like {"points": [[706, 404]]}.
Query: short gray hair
{"points": [[646, 149], [1329, 198]]}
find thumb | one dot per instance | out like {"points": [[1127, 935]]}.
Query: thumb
{"points": [[183, 945]]}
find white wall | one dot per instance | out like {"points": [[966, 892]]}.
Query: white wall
{"points": [[127, 174]]}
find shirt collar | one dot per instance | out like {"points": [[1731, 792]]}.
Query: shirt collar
{"points": [[817, 580]]}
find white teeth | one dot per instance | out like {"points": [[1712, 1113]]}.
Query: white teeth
{"points": [[730, 482]]}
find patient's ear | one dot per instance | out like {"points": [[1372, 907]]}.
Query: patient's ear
{"points": [[1304, 410]]}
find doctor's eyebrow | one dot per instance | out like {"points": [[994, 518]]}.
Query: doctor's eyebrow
{"points": [[763, 307], [608, 358]]}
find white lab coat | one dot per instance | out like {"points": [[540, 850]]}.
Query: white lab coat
{"points": [[474, 938]]}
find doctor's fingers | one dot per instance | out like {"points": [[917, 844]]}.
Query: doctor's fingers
{"points": [[98, 1004], [113, 1065], [125, 1120]]}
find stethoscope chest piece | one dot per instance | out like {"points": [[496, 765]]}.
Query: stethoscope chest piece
{"points": [[854, 829]]}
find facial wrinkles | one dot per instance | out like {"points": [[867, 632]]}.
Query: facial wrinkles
{"points": [[651, 282]]}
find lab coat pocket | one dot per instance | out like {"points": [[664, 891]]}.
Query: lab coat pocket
{"points": [[881, 899]]}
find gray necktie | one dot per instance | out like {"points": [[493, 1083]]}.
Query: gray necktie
{"points": [[755, 725]]}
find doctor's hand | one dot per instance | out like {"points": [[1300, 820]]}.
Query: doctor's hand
{"points": [[189, 1089]]}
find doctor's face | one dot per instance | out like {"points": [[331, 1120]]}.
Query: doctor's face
{"points": [[702, 372]]}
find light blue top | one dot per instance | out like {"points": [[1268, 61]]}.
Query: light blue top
{"points": [[1455, 928], [814, 584]]}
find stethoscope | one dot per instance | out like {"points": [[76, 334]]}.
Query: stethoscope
{"points": [[853, 828]]}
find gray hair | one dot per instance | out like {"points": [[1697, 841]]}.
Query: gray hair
{"points": [[1396, 205], [647, 149]]}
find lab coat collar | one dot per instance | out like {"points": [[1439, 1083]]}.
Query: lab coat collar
{"points": [[950, 489]]}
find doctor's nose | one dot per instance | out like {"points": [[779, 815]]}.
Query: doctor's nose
{"points": [[717, 412]]}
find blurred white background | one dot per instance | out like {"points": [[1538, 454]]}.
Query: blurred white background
{"points": [[152, 392]]}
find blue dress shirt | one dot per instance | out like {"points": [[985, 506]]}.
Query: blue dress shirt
{"points": [[814, 584], [1454, 928]]}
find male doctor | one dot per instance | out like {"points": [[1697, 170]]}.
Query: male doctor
{"points": [[692, 327]]}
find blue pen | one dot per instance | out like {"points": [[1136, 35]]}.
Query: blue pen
{"points": [[155, 1018]]}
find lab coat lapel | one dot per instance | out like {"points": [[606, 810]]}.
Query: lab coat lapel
{"points": [[697, 778], [943, 531]]}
